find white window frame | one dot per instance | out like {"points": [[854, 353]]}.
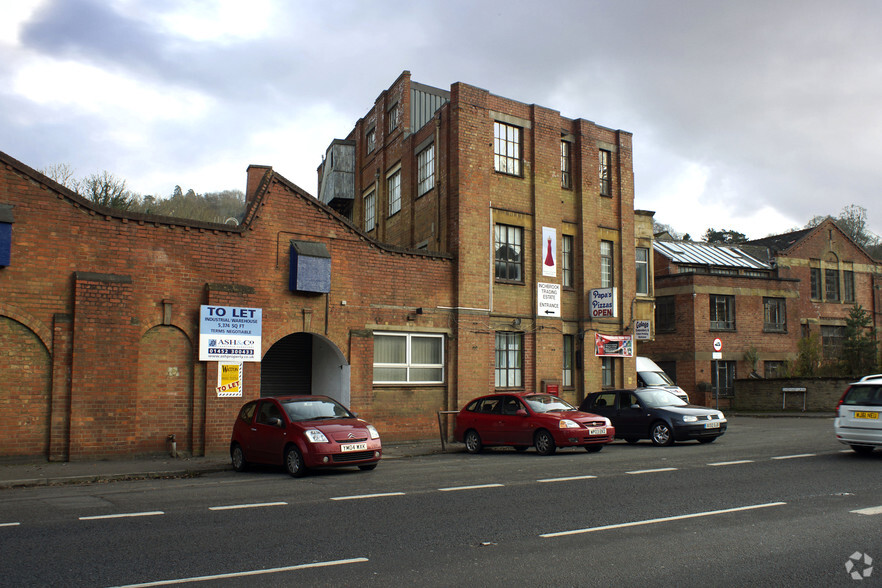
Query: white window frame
{"points": [[509, 362], [507, 148], [426, 170], [642, 269], [393, 190], [370, 211], [607, 264], [409, 364]]}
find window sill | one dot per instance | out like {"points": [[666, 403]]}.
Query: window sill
{"points": [[509, 282]]}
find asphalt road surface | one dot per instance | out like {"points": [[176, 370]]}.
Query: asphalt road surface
{"points": [[774, 502]]}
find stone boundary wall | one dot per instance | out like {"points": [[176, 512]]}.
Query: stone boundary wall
{"points": [[821, 394]]}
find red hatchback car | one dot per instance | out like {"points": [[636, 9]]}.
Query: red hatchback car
{"points": [[302, 432], [544, 421]]}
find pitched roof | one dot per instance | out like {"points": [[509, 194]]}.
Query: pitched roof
{"points": [[689, 253], [782, 242]]}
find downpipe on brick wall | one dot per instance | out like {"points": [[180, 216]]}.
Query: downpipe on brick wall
{"points": [[172, 445]]}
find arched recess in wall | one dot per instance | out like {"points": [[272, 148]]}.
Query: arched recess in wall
{"points": [[25, 395], [305, 363], [165, 390]]}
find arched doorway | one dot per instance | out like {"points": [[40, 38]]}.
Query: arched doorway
{"points": [[305, 363]]}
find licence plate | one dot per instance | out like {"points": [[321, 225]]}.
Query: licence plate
{"points": [[713, 425], [597, 431], [353, 447], [866, 415]]}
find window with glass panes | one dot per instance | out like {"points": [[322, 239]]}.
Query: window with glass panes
{"points": [[642, 254], [608, 372], [566, 177], [409, 358], [393, 191], [831, 284], [606, 264], [426, 170], [723, 378], [507, 148], [569, 360], [509, 359], [392, 117], [566, 262], [370, 211], [508, 253], [816, 283], [832, 338], [604, 163], [722, 312], [848, 286], [370, 139], [774, 315], [665, 314]]}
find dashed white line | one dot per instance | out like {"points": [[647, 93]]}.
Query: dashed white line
{"points": [[477, 487], [568, 479], [662, 520], [152, 513], [322, 564], [360, 496], [873, 510], [652, 471], [796, 456], [255, 505], [726, 463], [9, 524]]}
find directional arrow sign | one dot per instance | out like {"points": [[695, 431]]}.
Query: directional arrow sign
{"points": [[548, 297]]}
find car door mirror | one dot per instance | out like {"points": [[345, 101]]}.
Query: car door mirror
{"points": [[275, 422], [521, 412], [635, 406]]}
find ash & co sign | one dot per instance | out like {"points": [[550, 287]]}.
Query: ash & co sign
{"points": [[230, 333]]}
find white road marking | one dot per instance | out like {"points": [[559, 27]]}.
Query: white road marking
{"points": [[9, 524], [725, 463], [455, 488], [322, 564], [662, 520], [124, 515], [795, 456], [566, 479], [255, 505], [359, 497], [652, 471], [874, 510]]}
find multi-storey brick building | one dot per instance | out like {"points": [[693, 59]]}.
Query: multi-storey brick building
{"points": [[492, 220], [758, 299]]}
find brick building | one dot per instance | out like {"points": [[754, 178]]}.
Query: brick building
{"points": [[764, 295], [434, 301]]}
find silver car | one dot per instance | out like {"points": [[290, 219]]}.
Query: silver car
{"points": [[858, 423]]}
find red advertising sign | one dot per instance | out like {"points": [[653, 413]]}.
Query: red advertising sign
{"points": [[613, 345]]}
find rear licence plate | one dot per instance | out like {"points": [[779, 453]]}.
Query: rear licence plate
{"points": [[597, 431], [866, 415], [353, 447], [714, 425]]}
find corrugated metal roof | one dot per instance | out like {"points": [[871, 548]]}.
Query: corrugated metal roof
{"points": [[687, 253]]}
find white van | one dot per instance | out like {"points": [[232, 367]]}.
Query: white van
{"points": [[650, 375]]}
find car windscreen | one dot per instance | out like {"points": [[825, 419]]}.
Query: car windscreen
{"points": [[547, 403], [314, 409], [656, 379], [657, 398], [863, 396]]}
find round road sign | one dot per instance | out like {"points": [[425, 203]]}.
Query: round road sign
{"points": [[718, 345]]}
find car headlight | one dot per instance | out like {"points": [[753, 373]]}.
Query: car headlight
{"points": [[315, 436], [568, 424], [690, 419], [373, 431]]}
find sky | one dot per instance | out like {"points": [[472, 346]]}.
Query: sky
{"points": [[753, 116]]}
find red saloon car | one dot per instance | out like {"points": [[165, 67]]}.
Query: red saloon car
{"points": [[302, 432], [544, 421]]}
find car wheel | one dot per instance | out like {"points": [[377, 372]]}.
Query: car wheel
{"points": [[521, 448], [632, 440], [544, 442], [294, 462], [862, 449], [473, 441], [661, 434], [593, 448], [368, 467], [238, 458], [707, 439]]}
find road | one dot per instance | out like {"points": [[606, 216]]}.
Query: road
{"points": [[776, 501]]}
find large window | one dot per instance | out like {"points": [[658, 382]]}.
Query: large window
{"points": [[722, 312], [606, 264], [509, 360], [665, 314], [566, 165], [507, 148], [723, 378], [408, 358], [831, 284], [370, 211], [605, 183], [848, 286], [774, 315], [774, 369], [642, 270], [569, 360], [393, 190], [566, 262], [832, 338], [509, 260], [816, 283], [426, 170]]}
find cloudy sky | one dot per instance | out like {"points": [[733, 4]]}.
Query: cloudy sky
{"points": [[753, 115]]}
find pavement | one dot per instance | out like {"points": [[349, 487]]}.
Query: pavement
{"points": [[52, 473]]}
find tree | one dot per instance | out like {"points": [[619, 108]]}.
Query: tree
{"points": [[853, 222], [724, 237], [859, 347], [808, 356], [105, 189], [63, 174]]}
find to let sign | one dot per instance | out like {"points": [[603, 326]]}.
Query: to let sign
{"points": [[230, 333]]}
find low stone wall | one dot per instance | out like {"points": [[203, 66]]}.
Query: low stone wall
{"points": [[783, 394]]}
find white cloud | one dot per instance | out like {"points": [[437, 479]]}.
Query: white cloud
{"points": [[13, 13]]}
